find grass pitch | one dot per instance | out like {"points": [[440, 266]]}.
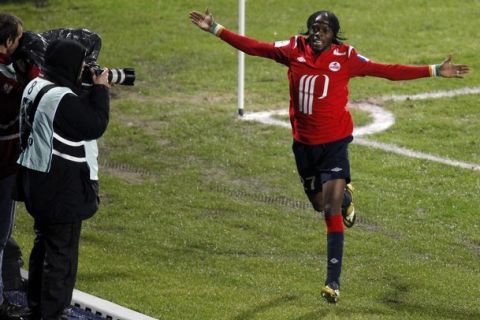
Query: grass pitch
{"points": [[202, 215]]}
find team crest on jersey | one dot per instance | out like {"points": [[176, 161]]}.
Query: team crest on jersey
{"points": [[334, 66]]}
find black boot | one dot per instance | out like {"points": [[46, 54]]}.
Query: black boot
{"points": [[11, 311], [12, 262]]}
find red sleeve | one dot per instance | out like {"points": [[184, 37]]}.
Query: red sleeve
{"points": [[361, 66], [256, 48]]}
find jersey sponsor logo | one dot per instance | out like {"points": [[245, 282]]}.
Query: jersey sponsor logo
{"points": [[306, 90], [334, 66], [338, 53], [281, 43]]}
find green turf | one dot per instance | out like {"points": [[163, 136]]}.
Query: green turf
{"points": [[203, 215]]}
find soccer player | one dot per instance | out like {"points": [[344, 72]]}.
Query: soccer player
{"points": [[320, 66]]}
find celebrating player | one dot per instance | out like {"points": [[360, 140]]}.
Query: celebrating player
{"points": [[320, 66]]}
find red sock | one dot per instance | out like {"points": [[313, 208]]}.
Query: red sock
{"points": [[334, 248], [334, 223]]}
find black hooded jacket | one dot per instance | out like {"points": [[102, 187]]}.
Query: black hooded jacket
{"points": [[66, 194]]}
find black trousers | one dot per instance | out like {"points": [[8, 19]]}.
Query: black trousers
{"points": [[12, 262], [52, 268]]}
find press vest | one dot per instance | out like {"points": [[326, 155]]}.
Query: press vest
{"points": [[43, 140]]}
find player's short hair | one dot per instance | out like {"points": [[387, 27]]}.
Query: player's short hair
{"points": [[332, 22], [8, 27]]}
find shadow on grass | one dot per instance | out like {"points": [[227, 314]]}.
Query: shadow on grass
{"points": [[432, 311], [398, 310], [324, 312], [253, 312], [396, 300]]}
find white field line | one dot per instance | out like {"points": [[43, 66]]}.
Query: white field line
{"points": [[416, 154], [435, 94], [382, 120]]}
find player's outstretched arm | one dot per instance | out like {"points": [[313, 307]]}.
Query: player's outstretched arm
{"points": [[245, 44], [450, 70]]}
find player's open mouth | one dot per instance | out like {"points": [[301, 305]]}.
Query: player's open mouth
{"points": [[318, 43]]}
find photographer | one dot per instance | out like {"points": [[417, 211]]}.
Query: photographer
{"points": [[11, 31], [59, 170]]}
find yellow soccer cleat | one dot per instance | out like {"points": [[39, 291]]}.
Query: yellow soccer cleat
{"points": [[331, 293], [348, 210]]}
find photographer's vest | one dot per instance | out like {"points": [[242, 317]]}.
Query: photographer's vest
{"points": [[43, 142]]}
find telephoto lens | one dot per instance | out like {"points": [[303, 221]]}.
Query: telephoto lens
{"points": [[123, 76]]}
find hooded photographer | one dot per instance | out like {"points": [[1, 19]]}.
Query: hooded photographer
{"points": [[59, 170]]}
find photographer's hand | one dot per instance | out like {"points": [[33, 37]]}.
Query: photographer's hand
{"points": [[101, 79]]}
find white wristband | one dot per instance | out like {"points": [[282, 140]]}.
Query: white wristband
{"points": [[216, 28], [435, 70]]}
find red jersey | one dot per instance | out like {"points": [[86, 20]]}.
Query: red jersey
{"points": [[319, 83]]}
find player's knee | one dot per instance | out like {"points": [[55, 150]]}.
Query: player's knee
{"points": [[329, 209], [316, 201]]}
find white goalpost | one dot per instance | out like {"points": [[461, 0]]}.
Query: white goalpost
{"points": [[241, 58]]}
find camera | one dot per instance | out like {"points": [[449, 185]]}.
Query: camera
{"points": [[122, 76]]}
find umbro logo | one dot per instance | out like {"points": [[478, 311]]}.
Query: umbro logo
{"points": [[337, 169], [301, 59], [338, 53]]}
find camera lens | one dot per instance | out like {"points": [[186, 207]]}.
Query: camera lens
{"points": [[124, 76]]}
